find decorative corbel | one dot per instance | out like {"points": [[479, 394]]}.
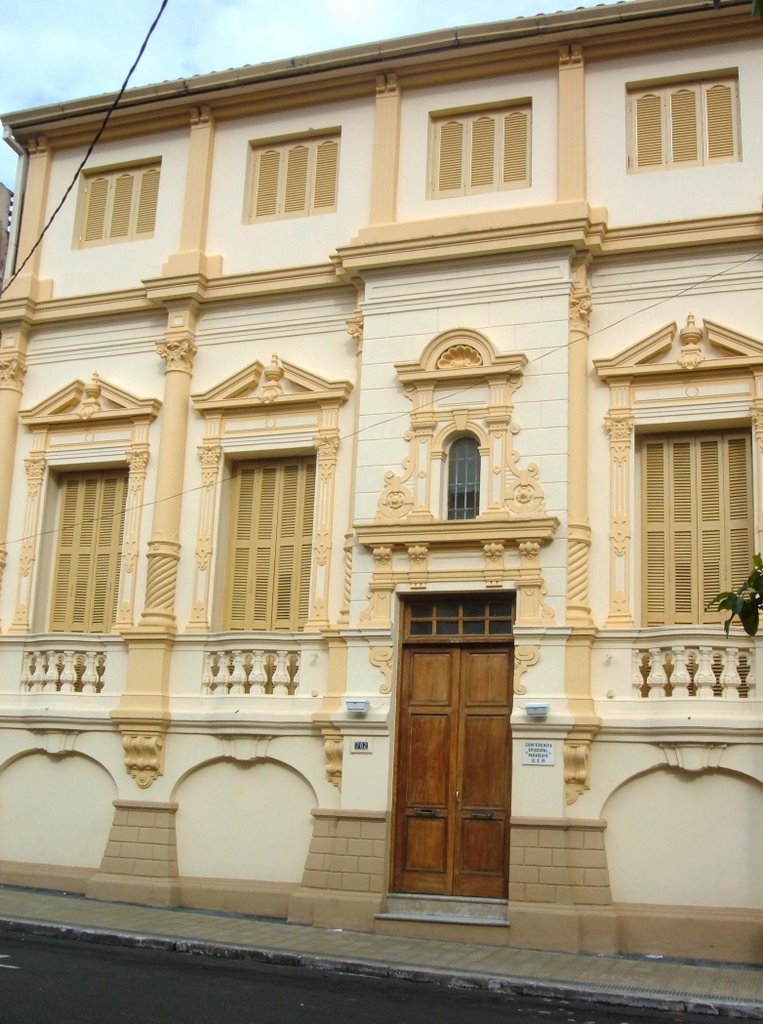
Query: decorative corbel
{"points": [[144, 756], [333, 746]]}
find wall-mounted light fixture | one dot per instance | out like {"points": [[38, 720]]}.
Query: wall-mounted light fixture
{"points": [[537, 710], [357, 705]]}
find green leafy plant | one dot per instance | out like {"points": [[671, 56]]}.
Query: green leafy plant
{"points": [[745, 602]]}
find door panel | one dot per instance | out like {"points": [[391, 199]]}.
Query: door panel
{"points": [[453, 783]]}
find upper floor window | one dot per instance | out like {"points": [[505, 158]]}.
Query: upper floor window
{"points": [[480, 151], [683, 124], [294, 178], [88, 551], [270, 548], [464, 479], [119, 205], [697, 536]]}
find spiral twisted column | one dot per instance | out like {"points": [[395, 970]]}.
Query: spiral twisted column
{"points": [[177, 349]]}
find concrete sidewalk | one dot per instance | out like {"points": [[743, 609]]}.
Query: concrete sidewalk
{"points": [[662, 984]]}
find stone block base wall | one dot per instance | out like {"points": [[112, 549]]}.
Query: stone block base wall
{"points": [[345, 870], [140, 861], [559, 861]]}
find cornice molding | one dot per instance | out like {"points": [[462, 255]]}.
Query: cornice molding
{"points": [[471, 533]]}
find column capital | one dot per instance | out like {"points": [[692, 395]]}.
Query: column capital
{"points": [[13, 367], [178, 352]]}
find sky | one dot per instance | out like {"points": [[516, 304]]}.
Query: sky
{"points": [[54, 51]]}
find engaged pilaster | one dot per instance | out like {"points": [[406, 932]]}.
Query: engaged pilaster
{"points": [[12, 371]]}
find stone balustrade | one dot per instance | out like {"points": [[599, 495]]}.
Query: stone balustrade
{"points": [[71, 670], [251, 672], [720, 670]]}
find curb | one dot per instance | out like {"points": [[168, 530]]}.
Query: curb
{"points": [[465, 980]]}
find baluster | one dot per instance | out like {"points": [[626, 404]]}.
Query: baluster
{"points": [[68, 674], [730, 679], [223, 673], [238, 675], [657, 679], [704, 678], [258, 676], [680, 678], [89, 674], [38, 676], [637, 680], [50, 680], [296, 661], [281, 674]]}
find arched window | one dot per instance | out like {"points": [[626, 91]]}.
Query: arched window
{"points": [[464, 479]]}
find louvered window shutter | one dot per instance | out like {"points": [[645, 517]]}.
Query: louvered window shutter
{"points": [[268, 171], [719, 107], [295, 197], [482, 162], [121, 206], [147, 201], [655, 560], [697, 524], [649, 148], [86, 579], [95, 213], [516, 147], [326, 165], [450, 175], [739, 514], [683, 126], [711, 514], [271, 546]]}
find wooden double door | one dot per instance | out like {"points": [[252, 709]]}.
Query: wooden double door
{"points": [[453, 765]]}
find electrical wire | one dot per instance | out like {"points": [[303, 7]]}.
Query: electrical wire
{"points": [[89, 151]]}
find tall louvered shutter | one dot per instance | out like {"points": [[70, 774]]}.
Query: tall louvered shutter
{"points": [[737, 461], [271, 545], [268, 169], [121, 206], [295, 197], [683, 126], [719, 112], [482, 162], [326, 165], [711, 506], [649, 147], [697, 524], [451, 157], [86, 577], [107, 545], [655, 562], [147, 201], [97, 197], [516, 147]]}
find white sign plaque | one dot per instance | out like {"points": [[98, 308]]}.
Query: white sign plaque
{"points": [[537, 752]]}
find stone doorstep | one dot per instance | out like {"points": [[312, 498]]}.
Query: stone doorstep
{"points": [[445, 910]]}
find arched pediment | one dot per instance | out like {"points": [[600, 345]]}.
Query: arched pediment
{"points": [[461, 353]]}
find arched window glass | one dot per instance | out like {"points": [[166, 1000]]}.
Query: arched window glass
{"points": [[464, 479]]}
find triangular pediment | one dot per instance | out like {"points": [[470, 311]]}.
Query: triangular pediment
{"points": [[695, 347], [277, 383], [97, 400]]}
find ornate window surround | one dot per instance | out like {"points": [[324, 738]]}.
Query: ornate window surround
{"points": [[267, 410], [78, 427], [459, 385], [689, 378]]}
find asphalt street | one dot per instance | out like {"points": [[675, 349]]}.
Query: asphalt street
{"points": [[55, 981]]}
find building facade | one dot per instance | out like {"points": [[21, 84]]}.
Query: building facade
{"points": [[375, 428]]}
